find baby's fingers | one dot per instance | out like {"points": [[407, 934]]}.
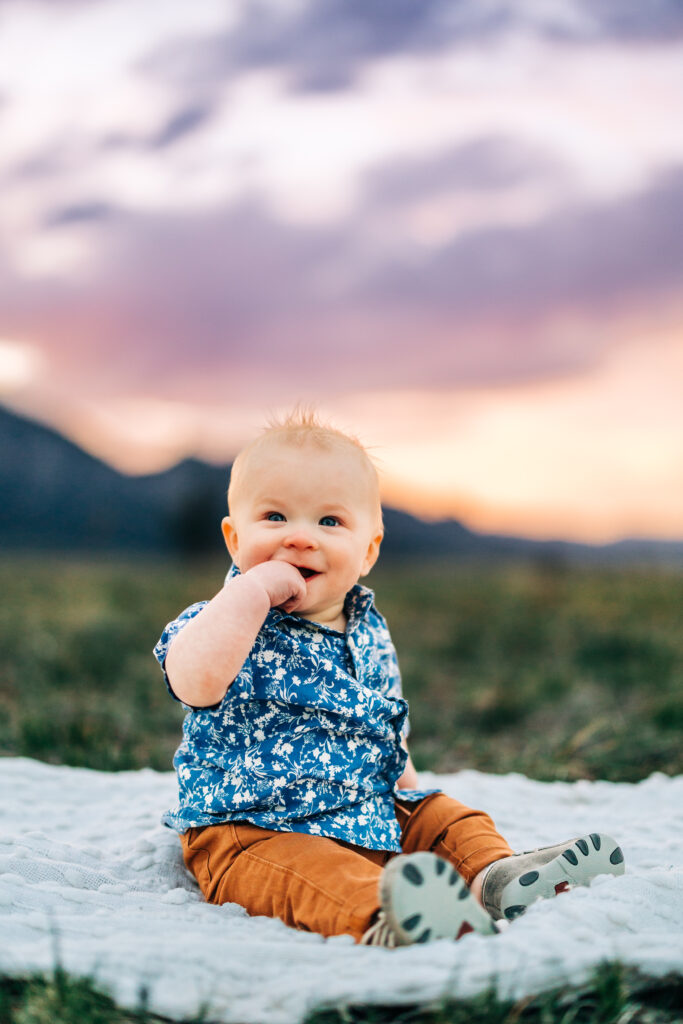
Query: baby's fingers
{"points": [[283, 583], [296, 599]]}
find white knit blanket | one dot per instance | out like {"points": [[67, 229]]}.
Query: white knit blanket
{"points": [[89, 876]]}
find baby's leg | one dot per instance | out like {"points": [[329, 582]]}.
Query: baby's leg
{"points": [[309, 882], [468, 839], [461, 835]]}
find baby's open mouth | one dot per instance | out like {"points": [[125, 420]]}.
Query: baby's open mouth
{"points": [[306, 573]]}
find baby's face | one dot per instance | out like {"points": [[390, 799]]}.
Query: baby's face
{"points": [[314, 508]]}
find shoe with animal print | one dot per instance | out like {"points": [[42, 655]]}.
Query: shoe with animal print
{"points": [[513, 883], [423, 898]]}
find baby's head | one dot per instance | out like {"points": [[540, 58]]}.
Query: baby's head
{"points": [[306, 493]]}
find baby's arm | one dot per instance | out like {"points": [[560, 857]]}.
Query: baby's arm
{"points": [[409, 778], [205, 657]]}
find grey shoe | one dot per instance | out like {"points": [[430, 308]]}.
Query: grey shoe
{"points": [[422, 898], [513, 883]]}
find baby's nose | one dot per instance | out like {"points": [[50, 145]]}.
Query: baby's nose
{"points": [[300, 539]]}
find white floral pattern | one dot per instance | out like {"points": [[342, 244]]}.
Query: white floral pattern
{"points": [[307, 737]]}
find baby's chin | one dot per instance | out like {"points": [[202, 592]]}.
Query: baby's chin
{"points": [[324, 614]]}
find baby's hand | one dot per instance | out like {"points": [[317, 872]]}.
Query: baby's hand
{"points": [[283, 583]]}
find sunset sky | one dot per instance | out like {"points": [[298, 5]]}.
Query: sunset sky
{"points": [[455, 228]]}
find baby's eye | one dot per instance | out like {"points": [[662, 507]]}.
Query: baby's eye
{"points": [[275, 517], [329, 521]]}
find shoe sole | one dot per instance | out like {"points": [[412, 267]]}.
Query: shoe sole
{"points": [[424, 898], [579, 863]]}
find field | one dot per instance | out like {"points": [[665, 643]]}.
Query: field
{"points": [[544, 671], [555, 672]]}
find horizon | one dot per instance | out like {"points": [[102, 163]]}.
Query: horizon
{"points": [[430, 517]]}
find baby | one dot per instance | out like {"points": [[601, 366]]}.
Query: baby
{"points": [[297, 795]]}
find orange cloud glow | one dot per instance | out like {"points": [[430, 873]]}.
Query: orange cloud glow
{"points": [[593, 457]]}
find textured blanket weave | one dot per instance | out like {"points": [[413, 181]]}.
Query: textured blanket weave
{"points": [[107, 893]]}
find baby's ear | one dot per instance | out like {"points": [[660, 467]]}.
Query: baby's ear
{"points": [[230, 537], [372, 554]]}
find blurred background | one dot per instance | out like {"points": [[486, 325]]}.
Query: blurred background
{"points": [[455, 229]]}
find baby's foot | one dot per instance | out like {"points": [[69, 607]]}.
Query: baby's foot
{"points": [[422, 898], [514, 882]]}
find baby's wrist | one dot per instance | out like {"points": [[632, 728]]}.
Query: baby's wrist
{"points": [[253, 590]]}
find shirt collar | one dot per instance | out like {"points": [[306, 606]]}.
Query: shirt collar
{"points": [[357, 604]]}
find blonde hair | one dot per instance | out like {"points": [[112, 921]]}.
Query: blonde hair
{"points": [[299, 427]]}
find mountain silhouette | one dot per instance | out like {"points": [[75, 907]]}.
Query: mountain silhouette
{"points": [[57, 497]]}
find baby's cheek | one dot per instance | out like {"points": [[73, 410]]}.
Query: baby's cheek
{"points": [[254, 556]]}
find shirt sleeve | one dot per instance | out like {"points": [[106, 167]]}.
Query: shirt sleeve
{"points": [[164, 642]]}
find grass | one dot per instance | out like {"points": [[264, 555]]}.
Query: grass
{"points": [[547, 672], [612, 996], [60, 999], [555, 672]]}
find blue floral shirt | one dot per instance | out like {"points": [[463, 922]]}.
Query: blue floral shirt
{"points": [[307, 737]]}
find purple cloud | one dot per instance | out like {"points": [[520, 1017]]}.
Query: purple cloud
{"points": [[181, 124], [79, 213], [238, 297], [483, 164], [585, 255], [323, 45]]}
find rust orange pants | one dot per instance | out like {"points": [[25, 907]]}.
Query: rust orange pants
{"points": [[327, 885]]}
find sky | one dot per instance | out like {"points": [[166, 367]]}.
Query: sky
{"points": [[455, 228]]}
